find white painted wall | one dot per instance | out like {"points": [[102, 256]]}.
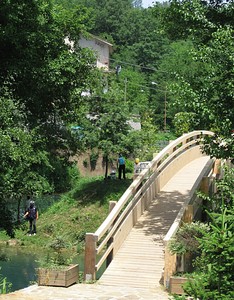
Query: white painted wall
{"points": [[101, 48]]}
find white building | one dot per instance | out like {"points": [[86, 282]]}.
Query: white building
{"points": [[101, 48]]}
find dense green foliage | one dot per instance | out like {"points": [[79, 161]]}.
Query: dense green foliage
{"points": [[39, 77], [188, 55], [176, 74], [207, 89], [186, 239]]}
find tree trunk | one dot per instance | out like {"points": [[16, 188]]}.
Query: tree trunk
{"points": [[18, 211], [106, 161]]}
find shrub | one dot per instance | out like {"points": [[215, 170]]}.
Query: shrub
{"points": [[186, 238], [214, 276], [59, 257]]}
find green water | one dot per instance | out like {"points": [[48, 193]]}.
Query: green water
{"points": [[20, 267]]}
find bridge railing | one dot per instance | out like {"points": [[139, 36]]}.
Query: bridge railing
{"points": [[102, 245]]}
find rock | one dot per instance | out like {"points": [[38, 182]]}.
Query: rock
{"points": [[12, 242]]}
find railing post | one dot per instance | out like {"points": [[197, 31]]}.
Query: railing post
{"points": [[169, 266], [188, 214], [110, 256], [90, 257], [112, 205], [205, 185], [217, 168]]}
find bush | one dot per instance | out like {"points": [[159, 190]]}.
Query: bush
{"points": [[216, 264], [6, 220], [74, 175], [186, 238], [64, 175]]}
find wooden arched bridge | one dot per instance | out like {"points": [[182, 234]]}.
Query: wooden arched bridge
{"points": [[132, 240]]}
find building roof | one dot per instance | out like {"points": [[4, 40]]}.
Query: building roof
{"points": [[94, 37]]}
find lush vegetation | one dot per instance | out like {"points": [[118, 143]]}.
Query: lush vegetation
{"points": [[63, 222], [176, 75], [5, 286], [73, 214]]}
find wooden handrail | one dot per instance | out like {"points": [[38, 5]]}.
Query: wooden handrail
{"points": [[122, 201], [136, 191]]}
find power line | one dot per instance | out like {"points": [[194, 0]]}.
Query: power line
{"points": [[133, 65], [143, 86], [137, 66]]}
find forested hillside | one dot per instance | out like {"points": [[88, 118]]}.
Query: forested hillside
{"points": [[176, 75], [176, 62]]}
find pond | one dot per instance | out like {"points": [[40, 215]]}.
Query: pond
{"points": [[19, 267]]}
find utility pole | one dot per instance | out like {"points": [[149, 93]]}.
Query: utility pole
{"points": [[125, 89]]}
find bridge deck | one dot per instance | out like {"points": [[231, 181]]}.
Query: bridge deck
{"points": [[139, 262]]}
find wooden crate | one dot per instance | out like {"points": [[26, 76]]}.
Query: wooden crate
{"points": [[60, 277], [176, 285]]}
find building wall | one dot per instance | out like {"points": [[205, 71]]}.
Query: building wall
{"points": [[98, 169], [100, 48]]}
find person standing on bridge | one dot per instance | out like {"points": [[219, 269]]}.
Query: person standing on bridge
{"points": [[121, 166]]}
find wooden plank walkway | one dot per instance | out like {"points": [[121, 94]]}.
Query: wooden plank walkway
{"points": [[139, 262]]}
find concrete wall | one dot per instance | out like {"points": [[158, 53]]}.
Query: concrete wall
{"points": [[90, 169], [101, 49]]}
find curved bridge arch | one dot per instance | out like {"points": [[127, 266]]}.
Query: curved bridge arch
{"points": [[103, 245]]}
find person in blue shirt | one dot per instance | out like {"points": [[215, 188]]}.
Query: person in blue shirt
{"points": [[121, 166]]}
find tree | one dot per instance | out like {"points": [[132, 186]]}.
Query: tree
{"points": [[110, 16], [22, 162], [41, 79], [40, 69], [185, 19], [209, 92], [37, 65], [107, 129]]}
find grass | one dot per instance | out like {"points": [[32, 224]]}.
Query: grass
{"points": [[81, 210]]}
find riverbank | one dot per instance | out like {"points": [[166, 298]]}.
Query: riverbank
{"points": [[74, 213], [79, 211]]}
